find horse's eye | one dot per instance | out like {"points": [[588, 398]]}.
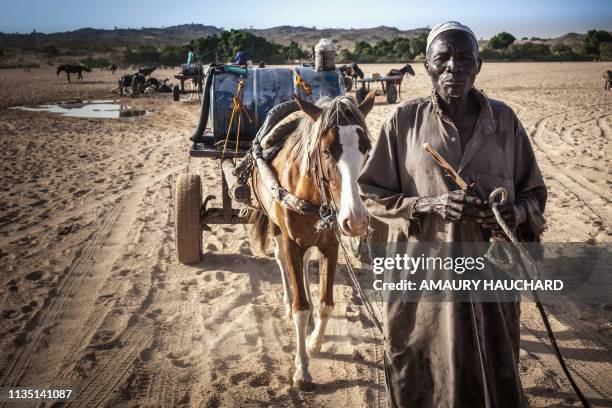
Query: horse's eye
{"points": [[326, 152]]}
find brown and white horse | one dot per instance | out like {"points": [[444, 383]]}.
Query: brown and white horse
{"points": [[319, 162]]}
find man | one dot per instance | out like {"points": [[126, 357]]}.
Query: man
{"points": [[240, 58], [453, 354]]}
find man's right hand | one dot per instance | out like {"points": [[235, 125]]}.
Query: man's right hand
{"points": [[455, 206]]}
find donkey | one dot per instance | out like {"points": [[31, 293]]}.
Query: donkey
{"points": [[73, 69], [405, 70], [319, 162]]}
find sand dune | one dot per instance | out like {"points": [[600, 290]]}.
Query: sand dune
{"points": [[91, 295]]}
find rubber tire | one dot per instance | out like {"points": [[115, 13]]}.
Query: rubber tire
{"points": [[187, 227], [360, 94], [358, 246], [176, 93], [391, 93], [348, 84]]}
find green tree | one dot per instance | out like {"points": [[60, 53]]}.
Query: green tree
{"points": [[51, 50], [562, 49], [501, 41], [418, 44], [529, 50], [402, 49], [593, 39], [605, 51], [293, 52], [363, 48]]}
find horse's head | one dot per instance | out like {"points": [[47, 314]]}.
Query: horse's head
{"points": [[340, 152], [407, 69], [60, 69]]}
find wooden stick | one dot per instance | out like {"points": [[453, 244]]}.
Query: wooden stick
{"points": [[450, 172]]}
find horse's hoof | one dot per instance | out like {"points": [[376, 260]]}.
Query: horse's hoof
{"points": [[303, 385]]}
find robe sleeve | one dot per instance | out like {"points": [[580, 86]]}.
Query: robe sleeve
{"points": [[530, 190], [380, 184]]}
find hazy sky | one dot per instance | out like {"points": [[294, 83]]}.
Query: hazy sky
{"points": [[541, 18]]}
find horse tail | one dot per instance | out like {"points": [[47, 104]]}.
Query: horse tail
{"points": [[260, 229]]}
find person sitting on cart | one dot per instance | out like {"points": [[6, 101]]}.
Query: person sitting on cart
{"points": [[241, 57]]}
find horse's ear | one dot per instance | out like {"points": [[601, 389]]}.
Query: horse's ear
{"points": [[308, 108], [368, 103]]}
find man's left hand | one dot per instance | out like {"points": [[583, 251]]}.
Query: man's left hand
{"points": [[511, 214]]}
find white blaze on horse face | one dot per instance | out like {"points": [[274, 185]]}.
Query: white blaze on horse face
{"points": [[352, 217]]}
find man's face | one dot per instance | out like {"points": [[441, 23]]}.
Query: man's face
{"points": [[453, 63]]}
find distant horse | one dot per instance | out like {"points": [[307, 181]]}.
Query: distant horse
{"points": [[319, 162], [73, 69], [607, 76], [113, 68], [406, 69], [351, 71]]}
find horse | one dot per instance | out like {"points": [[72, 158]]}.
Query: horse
{"points": [[73, 69], [607, 76], [350, 71], [406, 69], [318, 162], [112, 68]]}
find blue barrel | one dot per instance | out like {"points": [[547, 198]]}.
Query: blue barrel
{"points": [[264, 88]]}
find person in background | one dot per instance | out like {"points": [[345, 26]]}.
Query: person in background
{"points": [[240, 58], [190, 56]]}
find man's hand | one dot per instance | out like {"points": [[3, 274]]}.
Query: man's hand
{"points": [[512, 215], [455, 206]]}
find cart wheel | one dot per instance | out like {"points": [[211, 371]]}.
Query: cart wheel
{"points": [[391, 93], [187, 228], [348, 84], [176, 93], [379, 236], [360, 94]]}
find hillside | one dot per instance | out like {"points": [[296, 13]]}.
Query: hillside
{"points": [[105, 40]]}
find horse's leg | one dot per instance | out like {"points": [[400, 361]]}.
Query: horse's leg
{"points": [[68, 75], [306, 277], [326, 291], [280, 259], [301, 311]]}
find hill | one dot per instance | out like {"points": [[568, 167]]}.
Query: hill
{"points": [[100, 40]]}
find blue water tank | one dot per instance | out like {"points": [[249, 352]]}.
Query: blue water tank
{"points": [[264, 88]]}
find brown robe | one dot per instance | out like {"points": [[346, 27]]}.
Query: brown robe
{"points": [[433, 357]]}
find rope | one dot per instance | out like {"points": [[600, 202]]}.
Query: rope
{"points": [[496, 198], [237, 108], [301, 84], [364, 299]]}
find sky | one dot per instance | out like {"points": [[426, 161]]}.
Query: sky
{"points": [[530, 18]]}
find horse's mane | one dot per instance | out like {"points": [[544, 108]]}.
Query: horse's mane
{"points": [[300, 146]]}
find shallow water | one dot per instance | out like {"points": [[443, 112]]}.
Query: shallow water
{"points": [[105, 109]]}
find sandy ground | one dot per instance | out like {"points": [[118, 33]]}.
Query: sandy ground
{"points": [[91, 295]]}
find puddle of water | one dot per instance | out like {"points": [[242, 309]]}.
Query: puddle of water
{"points": [[106, 109]]}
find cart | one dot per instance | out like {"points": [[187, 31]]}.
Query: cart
{"points": [[387, 83], [235, 103], [189, 72]]}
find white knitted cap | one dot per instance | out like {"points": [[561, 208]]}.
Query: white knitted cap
{"points": [[449, 25]]}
